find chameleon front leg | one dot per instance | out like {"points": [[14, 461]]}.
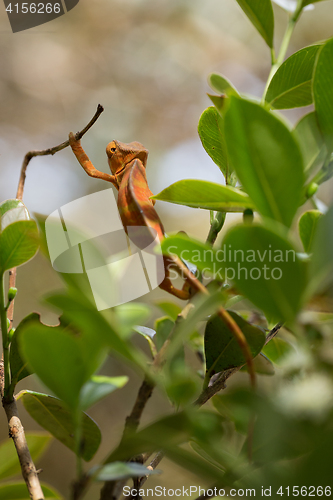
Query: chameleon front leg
{"points": [[86, 163]]}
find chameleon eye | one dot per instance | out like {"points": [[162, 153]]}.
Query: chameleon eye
{"points": [[113, 150]]}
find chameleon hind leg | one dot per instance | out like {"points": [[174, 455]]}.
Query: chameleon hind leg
{"points": [[185, 293]]}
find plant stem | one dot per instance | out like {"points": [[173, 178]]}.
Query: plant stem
{"points": [[5, 343], [215, 227], [284, 47]]}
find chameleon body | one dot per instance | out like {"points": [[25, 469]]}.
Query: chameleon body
{"points": [[127, 163]]}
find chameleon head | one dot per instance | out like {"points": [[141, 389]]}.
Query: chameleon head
{"points": [[120, 154]]}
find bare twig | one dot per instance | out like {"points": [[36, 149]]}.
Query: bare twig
{"points": [[16, 432], [52, 151], [20, 188], [133, 420], [152, 466]]}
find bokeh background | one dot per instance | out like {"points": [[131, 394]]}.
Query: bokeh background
{"points": [[147, 62]]}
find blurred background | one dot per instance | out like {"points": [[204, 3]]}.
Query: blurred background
{"points": [[147, 63]]}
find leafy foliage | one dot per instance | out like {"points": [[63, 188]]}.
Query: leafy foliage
{"points": [[257, 271]]}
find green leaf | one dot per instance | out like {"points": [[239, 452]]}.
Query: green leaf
{"points": [[326, 172], [58, 359], [260, 13], [221, 347], [102, 329], [202, 306], [218, 101], [266, 158], [171, 431], [148, 334], [291, 86], [52, 414], [221, 84], [122, 470], [19, 491], [131, 314], [210, 130], [163, 327], [307, 227], [311, 142], [308, 2], [169, 308], [266, 269], [323, 92], [98, 387], [277, 349], [18, 244], [18, 366], [205, 194], [8, 205], [321, 265], [9, 462]]}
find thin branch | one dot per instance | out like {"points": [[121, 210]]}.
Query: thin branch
{"points": [[152, 466], [133, 420], [52, 151], [16, 432]]}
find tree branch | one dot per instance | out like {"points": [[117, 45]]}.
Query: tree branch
{"points": [[16, 430], [52, 151]]}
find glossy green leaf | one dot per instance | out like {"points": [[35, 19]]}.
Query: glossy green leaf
{"points": [[323, 92], [169, 308], [18, 366], [266, 269], [19, 491], [52, 414], [210, 130], [260, 13], [205, 194], [221, 84], [122, 470], [291, 86], [311, 142], [221, 347], [202, 255], [9, 462], [277, 349], [307, 227], [266, 158], [18, 244], [58, 359], [321, 265], [98, 387]]}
